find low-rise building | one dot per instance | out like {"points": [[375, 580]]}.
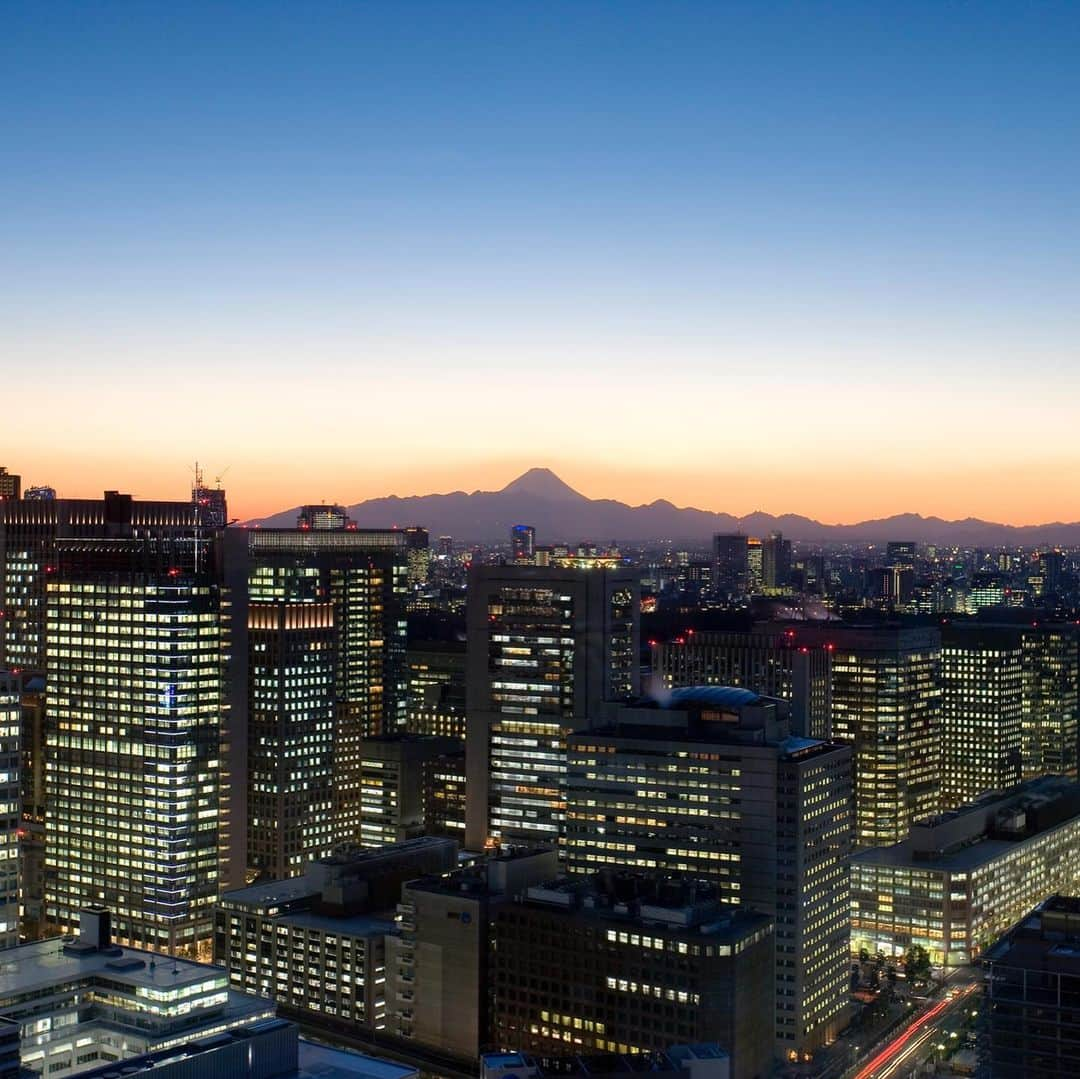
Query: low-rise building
{"points": [[622, 964], [437, 968], [82, 1002], [316, 943], [964, 877], [271, 1049], [705, 1060]]}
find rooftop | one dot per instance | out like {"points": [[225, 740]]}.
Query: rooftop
{"points": [[673, 1061], [45, 962], [712, 696], [959, 861]]}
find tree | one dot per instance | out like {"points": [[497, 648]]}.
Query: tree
{"points": [[917, 963]]}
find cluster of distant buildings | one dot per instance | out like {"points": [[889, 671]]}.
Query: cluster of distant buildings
{"points": [[219, 745], [898, 577]]}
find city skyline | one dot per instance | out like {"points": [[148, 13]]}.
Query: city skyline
{"points": [[177, 483], [810, 260]]}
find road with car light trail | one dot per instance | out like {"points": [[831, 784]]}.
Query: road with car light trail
{"points": [[919, 1039]]}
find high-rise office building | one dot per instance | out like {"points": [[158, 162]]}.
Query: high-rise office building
{"points": [[886, 703], [1051, 566], [1051, 700], [10, 485], [418, 547], [29, 531], [392, 796], [712, 786], [982, 683], [776, 563], [319, 624], [10, 807], [32, 831], [292, 653], [523, 543], [444, 795], [436, 686], [730, 566], [90, 1005], [769, 659], [546, 646], [134, 737], [755, 565], [624, 964]]}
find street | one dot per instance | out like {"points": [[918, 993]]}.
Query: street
{"points": [[910, 1051]]}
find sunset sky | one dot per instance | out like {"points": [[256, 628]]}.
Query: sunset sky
{"points": [[813, 258]]}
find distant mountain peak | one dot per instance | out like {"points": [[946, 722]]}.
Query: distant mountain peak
{"points": [[542, 483]]}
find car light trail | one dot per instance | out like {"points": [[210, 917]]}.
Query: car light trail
{"points": [[875, 1069]]}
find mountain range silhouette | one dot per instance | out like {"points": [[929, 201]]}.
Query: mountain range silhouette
{"points": [[560, 514]]}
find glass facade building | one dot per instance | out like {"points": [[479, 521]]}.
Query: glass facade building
{"points": [[546, 646], [886, 704], [965, 877], [982, 680], [134, 737], [318, 667], [10, 808]]}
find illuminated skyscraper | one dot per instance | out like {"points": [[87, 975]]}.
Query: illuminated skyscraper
{"points": [[392, 800], [711, 786], [1051, 566], [776, 563], [10, 804], [755, 565], [134, 737], [886, 703], [546, 647], [730, 566], [32, 831], [436, 673], [1051, 709], [982, 680], [29, 531], [319, 644], [418, 544], [292, 651], [523, 543]]}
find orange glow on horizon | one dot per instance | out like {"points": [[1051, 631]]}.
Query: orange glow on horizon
{"points": [[1020, 496]]}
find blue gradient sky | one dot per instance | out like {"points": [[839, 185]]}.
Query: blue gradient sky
{"points": [[818, 258]]}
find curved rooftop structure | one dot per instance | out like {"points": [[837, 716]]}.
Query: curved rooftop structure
{"points": [[711, 696]]}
